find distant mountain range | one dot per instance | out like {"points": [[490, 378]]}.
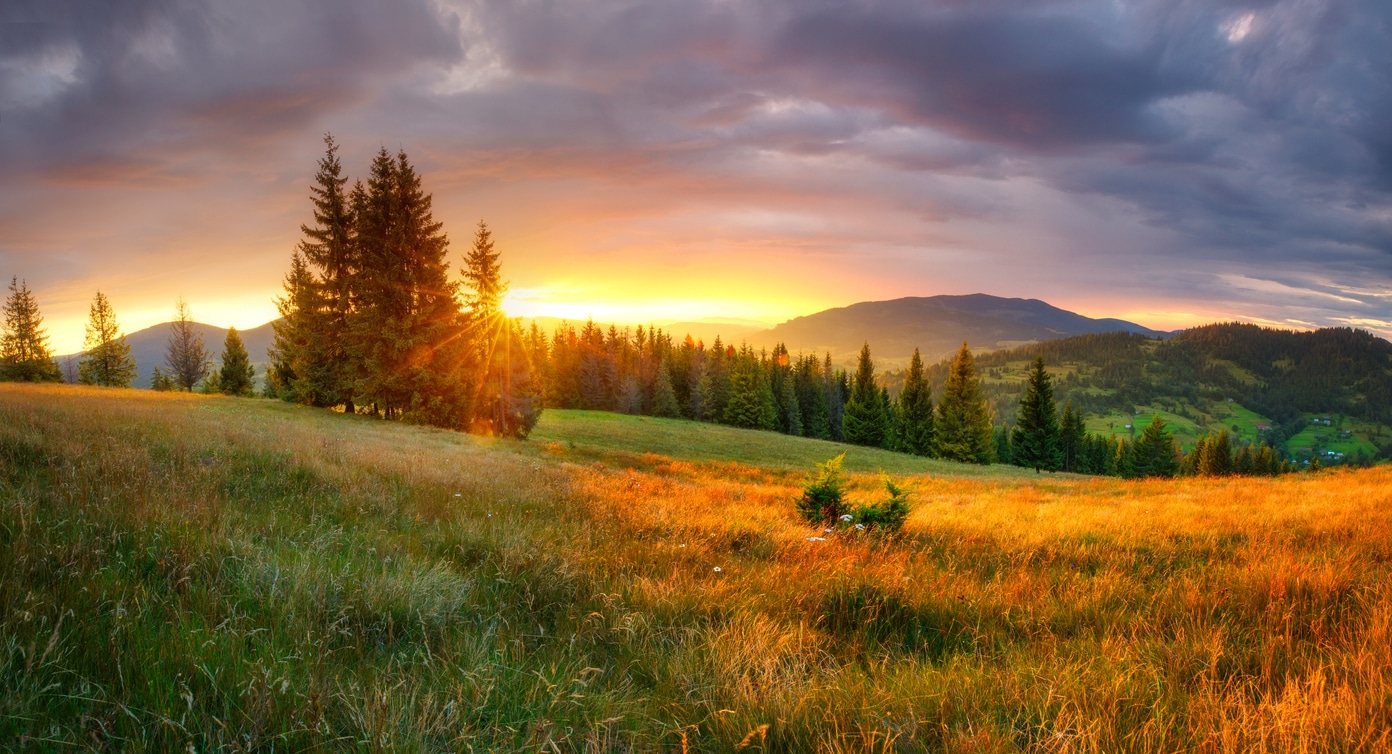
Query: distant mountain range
{"points": [[936, 325], [148, 347]]}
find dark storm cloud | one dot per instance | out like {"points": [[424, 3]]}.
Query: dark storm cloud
{"points": [[99, 83], [1236, 150]]}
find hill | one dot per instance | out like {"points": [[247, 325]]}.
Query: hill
{"points": [[148, 347], [1257, 382], [936, 325], [182, 571]]}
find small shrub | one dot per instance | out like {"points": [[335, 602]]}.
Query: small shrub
{"points": [[821, 501], [886, 515]]}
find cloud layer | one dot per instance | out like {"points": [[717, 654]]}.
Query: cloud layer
{"points": [[1170, 161]]}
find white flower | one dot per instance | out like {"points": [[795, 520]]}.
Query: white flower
{"points": [[717, 569], [826, 531], [816, 539], [458, 495], [847, 517], [860, 527]]}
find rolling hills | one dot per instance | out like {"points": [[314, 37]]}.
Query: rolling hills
{"points": [[148, 347]]}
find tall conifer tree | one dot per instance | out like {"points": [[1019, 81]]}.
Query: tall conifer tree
{"points": [[24, 352], [915, 416], [237, 374], [1034, 443], [108, 361], [1073, 439], [964, 421], [1153, 453], [323, 373], [864, 420]]}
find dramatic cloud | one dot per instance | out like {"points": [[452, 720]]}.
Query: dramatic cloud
{"points": [[1165, 160]]}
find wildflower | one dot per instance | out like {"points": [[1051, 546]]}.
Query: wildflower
{"points": [[847, 517], [860, 527], [816, 539], [826, 531], [458, 495], [717, 569]]}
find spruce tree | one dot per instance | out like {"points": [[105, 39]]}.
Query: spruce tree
{"points": [[1153, 454], [864, 420], [664, 397], [1217, 458], [24, 352], [161, 382], [185, 355], [108, 361], [812, 399], [745, 406], [915, 415], [407, 334], [237, 375], [1000, 436], [964, 421], [1034, 443], [499, 350], [521, 395], [293, 338], [836, 391], [1073, 439], [323, 372]]}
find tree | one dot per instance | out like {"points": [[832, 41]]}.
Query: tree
{"points": [[664, 397], [506, 372], [161, 382], [321, 361], [294, 333], [1217, 456], [745, 407], [237, 374], [24, 352], [185, 355], [964, 421], [1034, 443], [108, 361], [864, 420], [483, 274], [1073, 439], [407, 335], [1153, 454], [915, 415]]}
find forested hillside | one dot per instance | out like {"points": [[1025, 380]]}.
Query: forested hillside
{"points": [[1281, 375]]}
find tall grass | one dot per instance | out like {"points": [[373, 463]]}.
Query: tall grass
{"points": [[232, 574]]}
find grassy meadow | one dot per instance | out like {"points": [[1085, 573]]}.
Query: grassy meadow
{"points": [[186, 572]]}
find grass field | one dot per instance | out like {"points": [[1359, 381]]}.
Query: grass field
{"points": [[196, 572]]}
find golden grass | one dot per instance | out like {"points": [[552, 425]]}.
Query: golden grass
{"points": [[241, 574]]}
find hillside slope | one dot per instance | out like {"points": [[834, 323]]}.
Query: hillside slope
{"points": [[182, 572]]}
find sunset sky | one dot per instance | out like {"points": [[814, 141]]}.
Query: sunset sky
{"points": [[1170, 162]]}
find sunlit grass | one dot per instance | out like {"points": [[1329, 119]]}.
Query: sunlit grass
{"points": [[241, 574]]}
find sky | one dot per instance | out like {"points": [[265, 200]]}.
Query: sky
{"points": [[1170, 162]]}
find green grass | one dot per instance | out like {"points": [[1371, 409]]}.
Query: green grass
{"points": [[214, 574], [618, 438]]}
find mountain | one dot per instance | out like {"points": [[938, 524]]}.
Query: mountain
{"points": [[148, 347], [936, 325]]}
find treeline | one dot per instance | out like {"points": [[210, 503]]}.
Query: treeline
{"points": [[1278, 373], [372, 321], [1045, 441], [645, 371], [25, 355]]}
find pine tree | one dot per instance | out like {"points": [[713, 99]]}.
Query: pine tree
{"points": [[837, 388], [24, 352], [1153, 454], [1034, 442], [293, 334], [864, 420], [1217, 458], [915, 415], [1000, 436], [161, 382], [1073, 439], [745, 406], [812, 399], [237, 375], [964, 421], [498, 344], [407, 334], [520, 398], [664, 397], [185, 355], [108, 361], [1244, 463], [323, 372]]}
